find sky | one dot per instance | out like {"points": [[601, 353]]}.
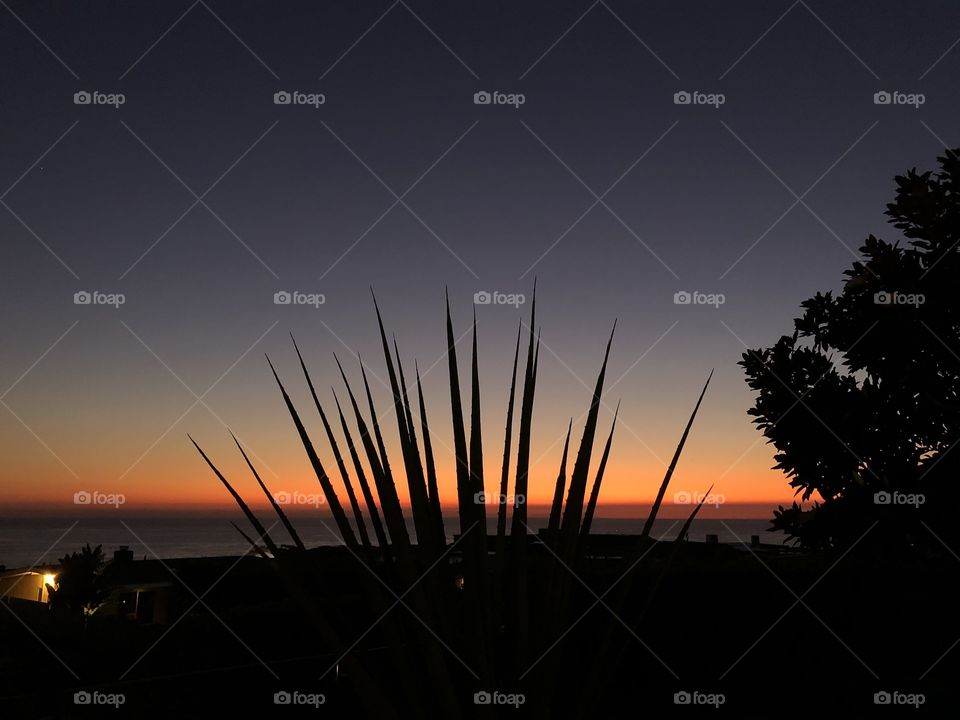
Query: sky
{"points": [[183, 198]]}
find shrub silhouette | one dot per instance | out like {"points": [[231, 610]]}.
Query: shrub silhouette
{"points": [[861, 401], [79, 585], [496, 603]]}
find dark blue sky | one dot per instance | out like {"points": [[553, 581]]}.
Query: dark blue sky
{"points": [[301, 200]]}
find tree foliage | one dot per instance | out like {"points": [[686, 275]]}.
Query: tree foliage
{"points": [[862, 401], [79, 585]]}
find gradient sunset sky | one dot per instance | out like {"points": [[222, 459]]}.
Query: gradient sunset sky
{"points": [[199, 198]]}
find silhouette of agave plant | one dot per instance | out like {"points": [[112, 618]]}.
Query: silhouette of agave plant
{"points": [[468, 602]]}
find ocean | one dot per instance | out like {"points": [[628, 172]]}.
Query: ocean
{"points": [[28, 541]]}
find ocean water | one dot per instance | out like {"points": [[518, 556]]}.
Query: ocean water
{"points": [[29, 541]]}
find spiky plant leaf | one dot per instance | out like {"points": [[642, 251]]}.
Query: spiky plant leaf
{"points": [[648, 526], [344, 475], [595, 492], [557, 507], [276, 507]]}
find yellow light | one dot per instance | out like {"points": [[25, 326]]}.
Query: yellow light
{"points": [[49, 579]]}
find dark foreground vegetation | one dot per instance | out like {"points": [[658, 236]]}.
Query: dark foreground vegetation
{"points": [[710, 627], [862, 404]]}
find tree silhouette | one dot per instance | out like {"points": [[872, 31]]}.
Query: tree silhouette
{"points": [[862, 401], [79, 585]]}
